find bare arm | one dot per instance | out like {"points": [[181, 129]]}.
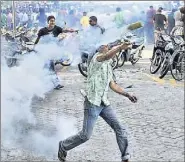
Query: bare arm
{"points": [[69, 30], [116, 88], [40, 33], [37, 40], [111, 53]]}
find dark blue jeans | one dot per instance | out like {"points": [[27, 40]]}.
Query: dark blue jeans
{"points": [[50, 65], [91, 114]]}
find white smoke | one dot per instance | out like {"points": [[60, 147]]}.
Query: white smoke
{"points": [[20, 84]]}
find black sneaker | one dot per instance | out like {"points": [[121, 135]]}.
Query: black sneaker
{"points": [[61, 153], [58, 87]]}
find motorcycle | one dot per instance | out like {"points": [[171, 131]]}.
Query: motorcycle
{"points": [[172, 50], [162, 41], [86, 59], [20, 45], [85, 56], [133, 52]]}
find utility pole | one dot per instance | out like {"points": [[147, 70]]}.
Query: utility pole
{"points": [[13, 14]]}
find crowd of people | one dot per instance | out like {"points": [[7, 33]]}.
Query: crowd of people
{"points": [[78, 17]]}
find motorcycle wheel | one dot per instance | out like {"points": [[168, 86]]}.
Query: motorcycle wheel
{"points": [[83, 69], [156, 62], [177, 66], [121, 60], [165, 66], [11, 62], [114, 63], [135, 60], [66, 63]]}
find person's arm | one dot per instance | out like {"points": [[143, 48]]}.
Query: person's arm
{"points": [[154, 19], [37, 40], [111, 53], [82, 21], [61, 30], [116, 88], [39, 36], [165, 20], [69, 30]]}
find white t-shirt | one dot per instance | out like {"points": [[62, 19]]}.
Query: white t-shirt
{"points": [[24, 17], [178, 16]]}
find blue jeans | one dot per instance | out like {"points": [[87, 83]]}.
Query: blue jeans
{"points": [[50, 65], [91, 114]]}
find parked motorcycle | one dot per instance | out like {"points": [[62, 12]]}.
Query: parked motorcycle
{"points": [[177, 63], [133, 52], [158, 52], [172, 50], [19, 45], [85, 56]]}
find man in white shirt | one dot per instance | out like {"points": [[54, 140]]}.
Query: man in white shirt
{"points": [[24, 18], [179, 22]]}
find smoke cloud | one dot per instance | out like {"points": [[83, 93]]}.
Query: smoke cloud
{"points": [[22, 83]]}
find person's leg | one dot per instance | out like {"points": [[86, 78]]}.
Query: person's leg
{"points": [[91, 113], [50, 65], [121, 135]]}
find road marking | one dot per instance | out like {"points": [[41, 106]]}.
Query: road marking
{"points": [[172, 82], [142, 62], [161, 81], [64, 68]]}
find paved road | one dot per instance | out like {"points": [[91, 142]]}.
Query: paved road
{"points": [[155, 123]]}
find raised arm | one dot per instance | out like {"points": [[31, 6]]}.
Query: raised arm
{"points": [[38, 36], [111, 53]]}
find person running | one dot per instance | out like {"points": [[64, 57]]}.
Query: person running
{"points": [[99, 80], [54, 30]]}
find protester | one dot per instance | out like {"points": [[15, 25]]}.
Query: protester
{"points": [[150, 25], [99, 80], [171, 21], [160, 22], [84, 21], [179, 22], [42, 18], [119, 18]]}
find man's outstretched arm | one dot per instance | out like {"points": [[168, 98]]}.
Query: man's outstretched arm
{"points": [[116, 88], [37, 40], [69, 30], [111, 53]]}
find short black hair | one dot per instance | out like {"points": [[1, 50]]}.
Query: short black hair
{"points": [[50, 17], [94, 18], [118, 9], [182, 10], [159, 10]]}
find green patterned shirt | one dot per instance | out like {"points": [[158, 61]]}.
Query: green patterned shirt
{"points": [[99, 76]]}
